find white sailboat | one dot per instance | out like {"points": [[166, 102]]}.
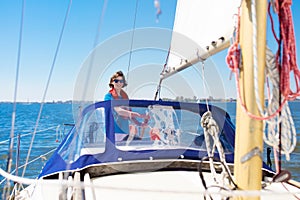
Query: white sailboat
{"points": [[183, 150]]}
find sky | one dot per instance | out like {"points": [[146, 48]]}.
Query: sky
{"points": [[98, 34]]}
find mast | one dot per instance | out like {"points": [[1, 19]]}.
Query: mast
{"points": [[249, 132]]}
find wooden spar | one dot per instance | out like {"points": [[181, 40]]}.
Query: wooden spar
{"points": [[249, 132]]}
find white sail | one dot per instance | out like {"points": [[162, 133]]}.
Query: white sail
{"points": [[201, 28]]}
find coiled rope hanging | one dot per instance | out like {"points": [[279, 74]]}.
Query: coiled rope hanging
{"points": [[288, 65], [278, 71]]}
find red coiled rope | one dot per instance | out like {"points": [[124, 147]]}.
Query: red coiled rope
{"points": [[288, 59], [233, 56]]}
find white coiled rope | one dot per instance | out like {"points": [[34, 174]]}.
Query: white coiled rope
{"points": [[211, 130], [288, 131], [271, 126]]}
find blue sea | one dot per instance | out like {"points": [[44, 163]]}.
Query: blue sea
{"points": [[48, 135], [51, 130]]}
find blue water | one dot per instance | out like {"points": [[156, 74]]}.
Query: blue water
{"points": [[54, 115], [48, 134]]}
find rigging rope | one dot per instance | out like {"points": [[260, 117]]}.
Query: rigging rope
{"points": [[204, 87], [47, 85], [164, 70], [212, 131], [6, 189], [132, 39]]}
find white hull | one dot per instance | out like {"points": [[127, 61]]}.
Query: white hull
{"points": [[151, 185]]}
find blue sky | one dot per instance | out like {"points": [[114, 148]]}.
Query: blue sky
{"points": [[41, 28]]}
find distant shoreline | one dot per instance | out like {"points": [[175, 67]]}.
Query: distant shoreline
{"points": [[164, 99]]}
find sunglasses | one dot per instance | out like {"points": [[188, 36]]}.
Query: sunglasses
{"points": [[117, 81]]}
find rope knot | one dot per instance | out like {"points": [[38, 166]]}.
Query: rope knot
{"points": [[233, 57], [208, 122], [205, 120]]}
